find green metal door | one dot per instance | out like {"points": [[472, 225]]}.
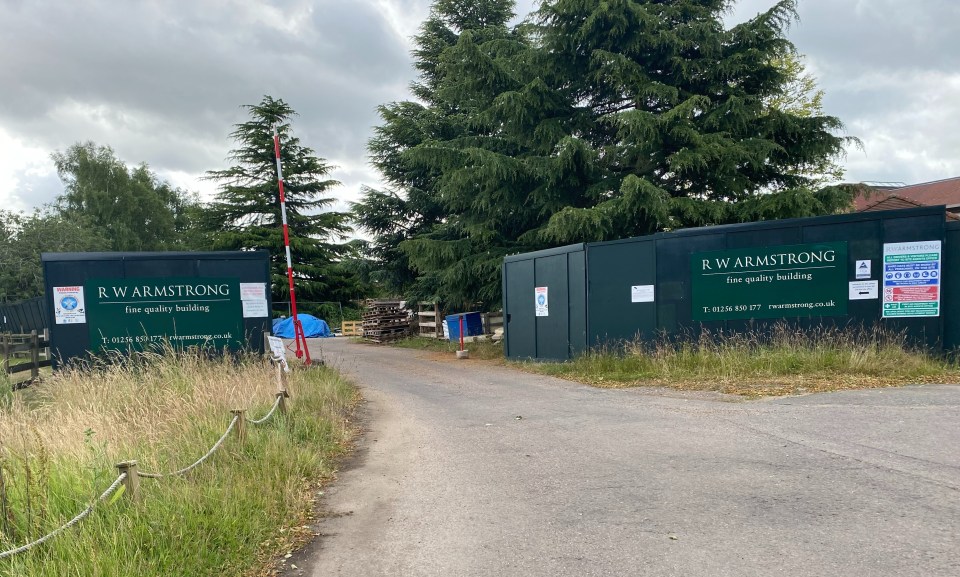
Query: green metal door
{"points": [[520, 327], [622, 298], [553, 327]]}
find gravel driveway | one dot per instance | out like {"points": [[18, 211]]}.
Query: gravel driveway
{"points": [[469, 469]]}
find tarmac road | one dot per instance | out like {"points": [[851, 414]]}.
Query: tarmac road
{"points": [[468, 469]]}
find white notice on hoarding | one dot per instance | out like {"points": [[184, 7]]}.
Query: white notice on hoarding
{"points": [[641, 293], [69, 308], [253, 291], [541, 302], [254, 309], [864, 290], [863, 269]]}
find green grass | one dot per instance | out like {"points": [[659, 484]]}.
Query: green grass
{"points": [[486, 350], [787, 362], [233, 515]]}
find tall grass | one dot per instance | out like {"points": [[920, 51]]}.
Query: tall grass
{"points": [[230, 516], [785, 361]]}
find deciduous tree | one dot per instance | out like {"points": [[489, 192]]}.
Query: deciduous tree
{"points": [[131, 207], [23, 237]]}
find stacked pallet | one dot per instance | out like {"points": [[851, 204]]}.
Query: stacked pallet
{"points": [[384, 321]]}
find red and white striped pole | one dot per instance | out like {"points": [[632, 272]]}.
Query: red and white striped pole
{"points": [[298, 333]]}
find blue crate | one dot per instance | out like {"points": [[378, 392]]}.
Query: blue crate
{"points": [[472, 325]]}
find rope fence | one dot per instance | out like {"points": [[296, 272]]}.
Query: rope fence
{"points": [[189, 468], [129, 476], [80, 517], [276, 405]]}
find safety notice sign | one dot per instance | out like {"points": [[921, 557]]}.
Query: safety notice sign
{"points": [[540, 301], [68, 305], [911, 279]]}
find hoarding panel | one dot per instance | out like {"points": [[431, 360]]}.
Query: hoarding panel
{"points": [[520, 328], [770, 282], [553, 330], [622, 292], [135, 313]]}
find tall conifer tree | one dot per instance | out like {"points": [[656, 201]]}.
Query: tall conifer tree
{"points": [[598, 120], [245, 214], [673, 104], [415, 147]]}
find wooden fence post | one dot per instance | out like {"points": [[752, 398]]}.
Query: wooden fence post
{"points": [[282, 399], [281, 377], [132, 481], [6, 353], [241, 428], [34, 354]]}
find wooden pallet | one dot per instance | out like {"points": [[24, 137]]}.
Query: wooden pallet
{"points": [[384, 321], [351, 328]]}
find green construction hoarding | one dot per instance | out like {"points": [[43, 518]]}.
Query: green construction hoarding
{"points": [[770, 282], [887, 270]]}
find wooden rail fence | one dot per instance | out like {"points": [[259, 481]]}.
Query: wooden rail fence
{"points": [[22, 352], [430, 322]]}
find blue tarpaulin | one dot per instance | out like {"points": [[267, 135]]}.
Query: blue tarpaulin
{"points": [[312, 327]]}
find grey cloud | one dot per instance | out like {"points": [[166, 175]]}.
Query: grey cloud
{"points": [[37, 189], [880, 35], [163, 83], [889, 70]]}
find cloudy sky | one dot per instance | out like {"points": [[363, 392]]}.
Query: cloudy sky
{"points": [[162, 81]]}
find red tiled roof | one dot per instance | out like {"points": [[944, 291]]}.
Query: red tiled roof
{"points": [[925, 194], [889, 202], [894, 202]]}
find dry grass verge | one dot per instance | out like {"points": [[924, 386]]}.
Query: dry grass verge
{"points": [[786, 362]]}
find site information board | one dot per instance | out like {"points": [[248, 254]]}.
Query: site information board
{"points": [[770, 282], [132, 313], [911, 279]]}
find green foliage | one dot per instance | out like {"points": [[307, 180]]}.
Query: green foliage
{"points": [[23, 237], [105, 206], [800, 96], [594, 121], [132, 208], [675, 107], [441, 230], [246, 213]]}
